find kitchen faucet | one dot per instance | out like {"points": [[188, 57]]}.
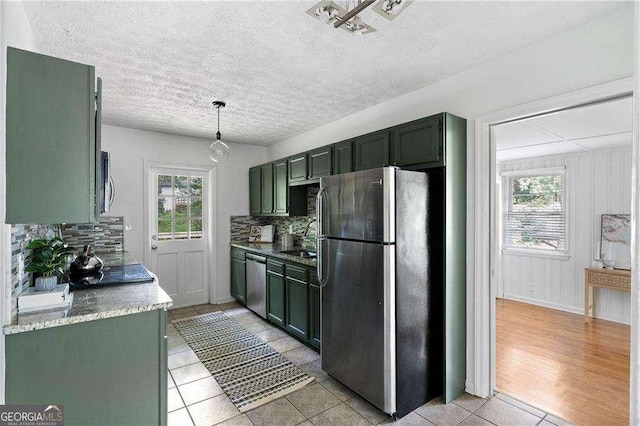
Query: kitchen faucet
{"points": [[306, 231]]}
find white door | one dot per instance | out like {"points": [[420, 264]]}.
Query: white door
{"points": [[178, 230]]}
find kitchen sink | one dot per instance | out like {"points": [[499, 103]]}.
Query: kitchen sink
{"points": [[300, 253]]}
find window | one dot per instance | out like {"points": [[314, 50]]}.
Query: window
{"points": [[535, 214], [179, 207]]}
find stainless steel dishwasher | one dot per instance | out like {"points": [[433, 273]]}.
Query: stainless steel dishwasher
{"points": [[257, 284]]}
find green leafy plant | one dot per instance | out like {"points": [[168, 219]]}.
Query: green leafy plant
{"points": [[48, 256]]}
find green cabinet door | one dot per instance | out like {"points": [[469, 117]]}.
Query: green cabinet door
{"points": [[343, 157], [255, 190], [298, 168], [314, 315], [276, 298], [418, 142], [280, 187], [320, 162], [372, 150], [238, 279], [297, 307], [50, 140], [267, 202], [108, 371]]}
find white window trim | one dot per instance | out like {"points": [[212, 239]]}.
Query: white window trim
{"points": [[524, 251]]}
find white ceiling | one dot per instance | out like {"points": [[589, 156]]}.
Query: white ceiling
{"points": [[280, 71], [591, 128]]}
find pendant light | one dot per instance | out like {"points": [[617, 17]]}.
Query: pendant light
{"points": [[218, 150]]}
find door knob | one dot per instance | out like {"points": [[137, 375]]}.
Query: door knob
{"points": [[154, 247]]}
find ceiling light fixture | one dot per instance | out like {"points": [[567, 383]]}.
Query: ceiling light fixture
{"points": [[218, 150], [390, 9], [328, 11]]}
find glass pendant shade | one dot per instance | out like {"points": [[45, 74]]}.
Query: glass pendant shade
{"points": [[218, 150]]}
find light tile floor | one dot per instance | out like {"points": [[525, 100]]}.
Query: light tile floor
{"points": [[194, 397]]}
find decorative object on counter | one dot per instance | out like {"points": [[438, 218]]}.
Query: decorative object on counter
{"points": [[218, 150], [609, 263], [230, 352], [616, 240], [287, 241], [261, 234], [31, 300], [85, 263], [48, 259], [596, 263]]}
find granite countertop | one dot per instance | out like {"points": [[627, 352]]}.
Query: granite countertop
{"points": [[99, 303], [274, 250]]}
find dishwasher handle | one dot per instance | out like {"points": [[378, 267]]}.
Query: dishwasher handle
{"points": [[256, 258]]}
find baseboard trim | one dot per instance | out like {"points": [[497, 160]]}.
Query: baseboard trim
{"points": [[226, 299], [565, 308]]}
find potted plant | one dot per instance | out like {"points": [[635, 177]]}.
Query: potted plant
{"points": [[48, 258]]}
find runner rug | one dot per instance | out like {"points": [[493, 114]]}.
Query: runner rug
{"points": [[249, 371]]}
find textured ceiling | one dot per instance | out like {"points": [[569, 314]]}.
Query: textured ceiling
{"points": [[595, 127], [280, 71]]}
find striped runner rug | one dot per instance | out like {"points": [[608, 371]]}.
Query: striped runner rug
{"points": [[249, 371]]}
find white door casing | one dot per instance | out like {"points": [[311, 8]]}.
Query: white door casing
{"points": [[482, 353], [178, 230]]}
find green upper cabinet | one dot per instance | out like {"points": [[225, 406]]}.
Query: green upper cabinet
{"points": [[255, 190], [418, 142], [320, 162], [343, 157], [281, 187], [50, 140], [372, 150], [298, 168], [266, 173]]}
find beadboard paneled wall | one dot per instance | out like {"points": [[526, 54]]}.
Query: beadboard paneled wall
{"points": [[597, 183]]}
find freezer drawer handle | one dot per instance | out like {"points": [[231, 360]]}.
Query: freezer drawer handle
{"points": [[321, 262]]}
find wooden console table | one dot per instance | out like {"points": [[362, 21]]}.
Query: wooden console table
{"points": [[613, 279]]}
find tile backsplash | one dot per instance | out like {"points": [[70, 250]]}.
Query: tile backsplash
{"points": [[105, 236], [240, 224], [21, 236]]}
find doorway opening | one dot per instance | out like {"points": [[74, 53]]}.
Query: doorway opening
{"points": [[179, 232], [561, 203]]}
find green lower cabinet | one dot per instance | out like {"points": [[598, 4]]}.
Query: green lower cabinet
{"points": [[314, 315], [298, 308], [238, 279], [107, 371], [275, 298]]}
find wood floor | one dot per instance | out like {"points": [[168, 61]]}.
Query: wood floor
{"points": [[552, 360]]}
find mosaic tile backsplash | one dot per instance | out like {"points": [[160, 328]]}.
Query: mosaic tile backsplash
{"points": [[21, 236], [105, 236], [240, 224]]}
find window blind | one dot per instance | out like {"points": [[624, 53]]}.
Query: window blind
{"points": [[535, 214]]}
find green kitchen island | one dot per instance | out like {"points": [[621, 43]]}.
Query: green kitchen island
{"points": [[104, 360]]}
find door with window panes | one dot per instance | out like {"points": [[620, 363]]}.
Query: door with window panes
{"points": [[179, 233]]}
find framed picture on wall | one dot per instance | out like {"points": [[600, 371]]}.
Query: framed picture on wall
{"points": [[616, 239]]}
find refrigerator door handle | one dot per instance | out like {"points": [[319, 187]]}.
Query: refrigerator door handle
{"points": [[320, 198], [321, 261]]}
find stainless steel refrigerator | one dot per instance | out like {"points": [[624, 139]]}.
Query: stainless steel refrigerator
{"points": [[380, 336]]}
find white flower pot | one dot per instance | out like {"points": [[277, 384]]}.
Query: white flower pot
{"points": [[46, 283]]}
